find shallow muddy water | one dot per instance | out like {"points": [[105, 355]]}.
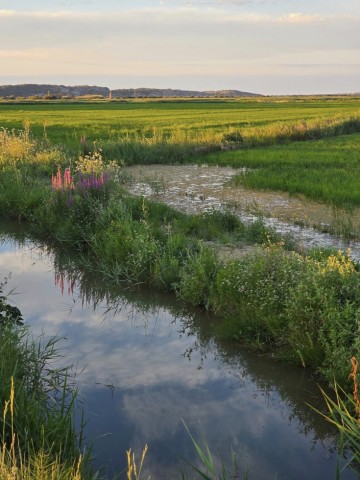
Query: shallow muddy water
{"points": [[144, 363], [195, 189]]}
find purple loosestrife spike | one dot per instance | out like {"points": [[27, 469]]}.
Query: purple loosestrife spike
{"points": [[58, 179], [68, 179], [67, 176]]}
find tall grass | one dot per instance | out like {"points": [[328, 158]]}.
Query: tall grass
{"points": [[344, 412], [17, 465], [134, 469], [208, 470], [19, 149], [312, 129], [183, 145], [24, 162], [15, 146]]}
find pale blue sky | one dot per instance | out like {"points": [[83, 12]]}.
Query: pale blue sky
{"points": [[265, 46], [259, 6]]}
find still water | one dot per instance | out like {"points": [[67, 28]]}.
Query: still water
{"points": [[144, 363]]}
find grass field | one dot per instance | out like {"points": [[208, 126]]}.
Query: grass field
{"points": [[67, 123], [265, 134]]}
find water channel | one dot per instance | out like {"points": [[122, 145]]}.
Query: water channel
{"points": [[144, 362]]}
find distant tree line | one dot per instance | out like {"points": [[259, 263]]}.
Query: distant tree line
{"points": [[53, 92]]}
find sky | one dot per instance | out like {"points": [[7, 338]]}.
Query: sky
{"points": [[272, 47]]}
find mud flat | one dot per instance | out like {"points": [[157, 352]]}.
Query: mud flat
{"points": [[194, 189]]}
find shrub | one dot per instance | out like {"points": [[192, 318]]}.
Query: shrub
{"points": [[197, 277], [323, 312], [251, 291], [15, 147]]}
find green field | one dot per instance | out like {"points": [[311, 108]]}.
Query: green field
{"points": [[66, 123], [300, 145]]}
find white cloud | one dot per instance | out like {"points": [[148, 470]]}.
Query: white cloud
{"points": [[7, 13], [31, 54], [301, 18]]}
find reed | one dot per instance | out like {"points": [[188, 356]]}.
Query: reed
{"points": [[208, 468], [344, 412], [133, 469], [17, 465]]}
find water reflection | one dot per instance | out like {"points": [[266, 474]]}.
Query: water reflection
{"points": [[145, 362]]}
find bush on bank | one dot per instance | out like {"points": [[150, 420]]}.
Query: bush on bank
{"points": [[307, 310]]}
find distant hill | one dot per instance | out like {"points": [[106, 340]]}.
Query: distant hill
{"points": [[168, 92], [35, 90], [58, 91]]}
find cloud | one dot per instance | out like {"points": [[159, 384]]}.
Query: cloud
{"points": [[7, 13], [35, 14], [151, 23], [31, 54], [168, 41], [301, 18]]}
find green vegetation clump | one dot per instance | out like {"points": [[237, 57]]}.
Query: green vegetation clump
{"points": [[307, 310]]}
